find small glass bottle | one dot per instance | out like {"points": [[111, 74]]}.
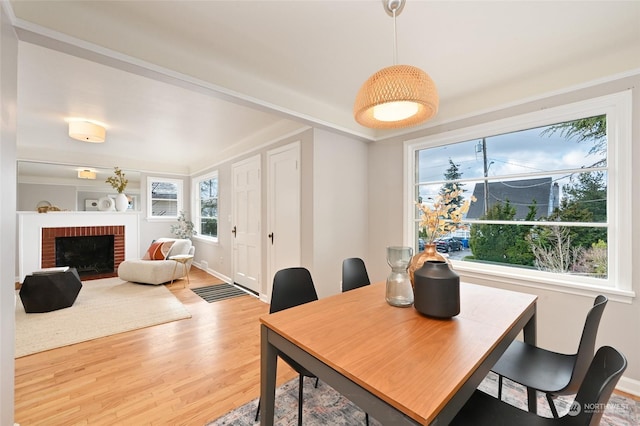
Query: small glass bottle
{"points": [[399, 290]]}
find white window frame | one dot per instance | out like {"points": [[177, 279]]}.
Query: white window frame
{"points": [[179, 184], [617, 107], [195, 191]]}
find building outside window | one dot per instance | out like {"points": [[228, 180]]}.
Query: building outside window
{"points": [[551, 190], [164, 197]]}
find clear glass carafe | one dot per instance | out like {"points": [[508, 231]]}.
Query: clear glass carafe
{"points": [[399, 290]]}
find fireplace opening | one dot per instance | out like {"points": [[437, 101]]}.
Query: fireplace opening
{"points": [[90, 255]]}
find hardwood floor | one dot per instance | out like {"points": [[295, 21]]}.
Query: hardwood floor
{"points": [[181, 373]]}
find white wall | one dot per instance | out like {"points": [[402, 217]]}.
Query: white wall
{"points": [[218, 255], [151, 230], [8, 95], [385, 205], [340, 207], [560, 315], [61, 196], [334, 208]]}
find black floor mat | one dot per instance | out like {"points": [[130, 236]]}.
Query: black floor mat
{"points": [[213, 293]]}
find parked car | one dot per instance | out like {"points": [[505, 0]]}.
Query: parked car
{"points": [[420, 244], [447, 244]]}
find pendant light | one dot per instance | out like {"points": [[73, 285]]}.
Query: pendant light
{"points": [[396, 96]]}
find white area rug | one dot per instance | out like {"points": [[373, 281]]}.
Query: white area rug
{"points": [[103, 307]]}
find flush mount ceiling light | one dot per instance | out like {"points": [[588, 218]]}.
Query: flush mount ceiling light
{"points": [[396, 96], [86, 174], [86, 131]]}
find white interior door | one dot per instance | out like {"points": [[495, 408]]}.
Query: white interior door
{"points": [[246, 208], [283, 210]]}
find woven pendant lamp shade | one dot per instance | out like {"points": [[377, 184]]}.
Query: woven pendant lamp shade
{"points": [[398, 83]]}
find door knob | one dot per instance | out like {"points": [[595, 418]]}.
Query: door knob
{"points": [[271, 236], [234, 231]]}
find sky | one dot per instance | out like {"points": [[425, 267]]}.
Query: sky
{"points": [[511, 154]]}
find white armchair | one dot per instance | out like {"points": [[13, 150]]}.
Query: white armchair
{"points": [[150, 271]]}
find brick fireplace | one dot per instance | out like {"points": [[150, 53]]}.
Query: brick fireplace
{"points": [[31, 235], [49, 235]]}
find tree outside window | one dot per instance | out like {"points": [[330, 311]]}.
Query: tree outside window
{"points": [[541, 195], [208, 206]]}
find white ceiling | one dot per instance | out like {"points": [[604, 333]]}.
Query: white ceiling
{"points": [[184, 84]]}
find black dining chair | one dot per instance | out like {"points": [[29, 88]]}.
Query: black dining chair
{"points": [[587, 408], [551, 372], [292, 287], [354, 274]]}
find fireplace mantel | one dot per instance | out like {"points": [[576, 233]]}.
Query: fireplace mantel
{"points": [[30, 225]]}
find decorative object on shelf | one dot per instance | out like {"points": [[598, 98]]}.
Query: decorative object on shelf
{"points": [[444, 216], [90, 205], [106, 204], [399, 292], [184, 228], [119, 183], [122, 202], [399, 95], [437, 290], [45, 206], [49, 209]]}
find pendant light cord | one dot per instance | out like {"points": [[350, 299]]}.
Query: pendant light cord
{"points": [[395, 39]]}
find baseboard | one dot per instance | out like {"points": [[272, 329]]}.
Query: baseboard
{"points": [[226, 279], [216, 274], [629, 386]]}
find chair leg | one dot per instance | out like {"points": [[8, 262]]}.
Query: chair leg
{"points": [[317, 383], [300, 383], [366, 418], [552, 405], [258, 411], [499, 388]]}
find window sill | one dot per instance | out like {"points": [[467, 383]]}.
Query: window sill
{"points": [[161, 219], [466, 271], [206, 240]]}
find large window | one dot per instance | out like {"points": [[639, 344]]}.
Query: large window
{"points": [[164, 198], [206, 217], [551, 193]]}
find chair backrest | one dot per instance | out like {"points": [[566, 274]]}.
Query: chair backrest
{"points": [[587, 345], [291, 287], [354, 274], [603, 374], [180, 245]]}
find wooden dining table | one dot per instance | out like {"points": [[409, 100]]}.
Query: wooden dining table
{"points": [[399, 366]]}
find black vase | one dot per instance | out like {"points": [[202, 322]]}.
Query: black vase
{"points": [[436, 290]]}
